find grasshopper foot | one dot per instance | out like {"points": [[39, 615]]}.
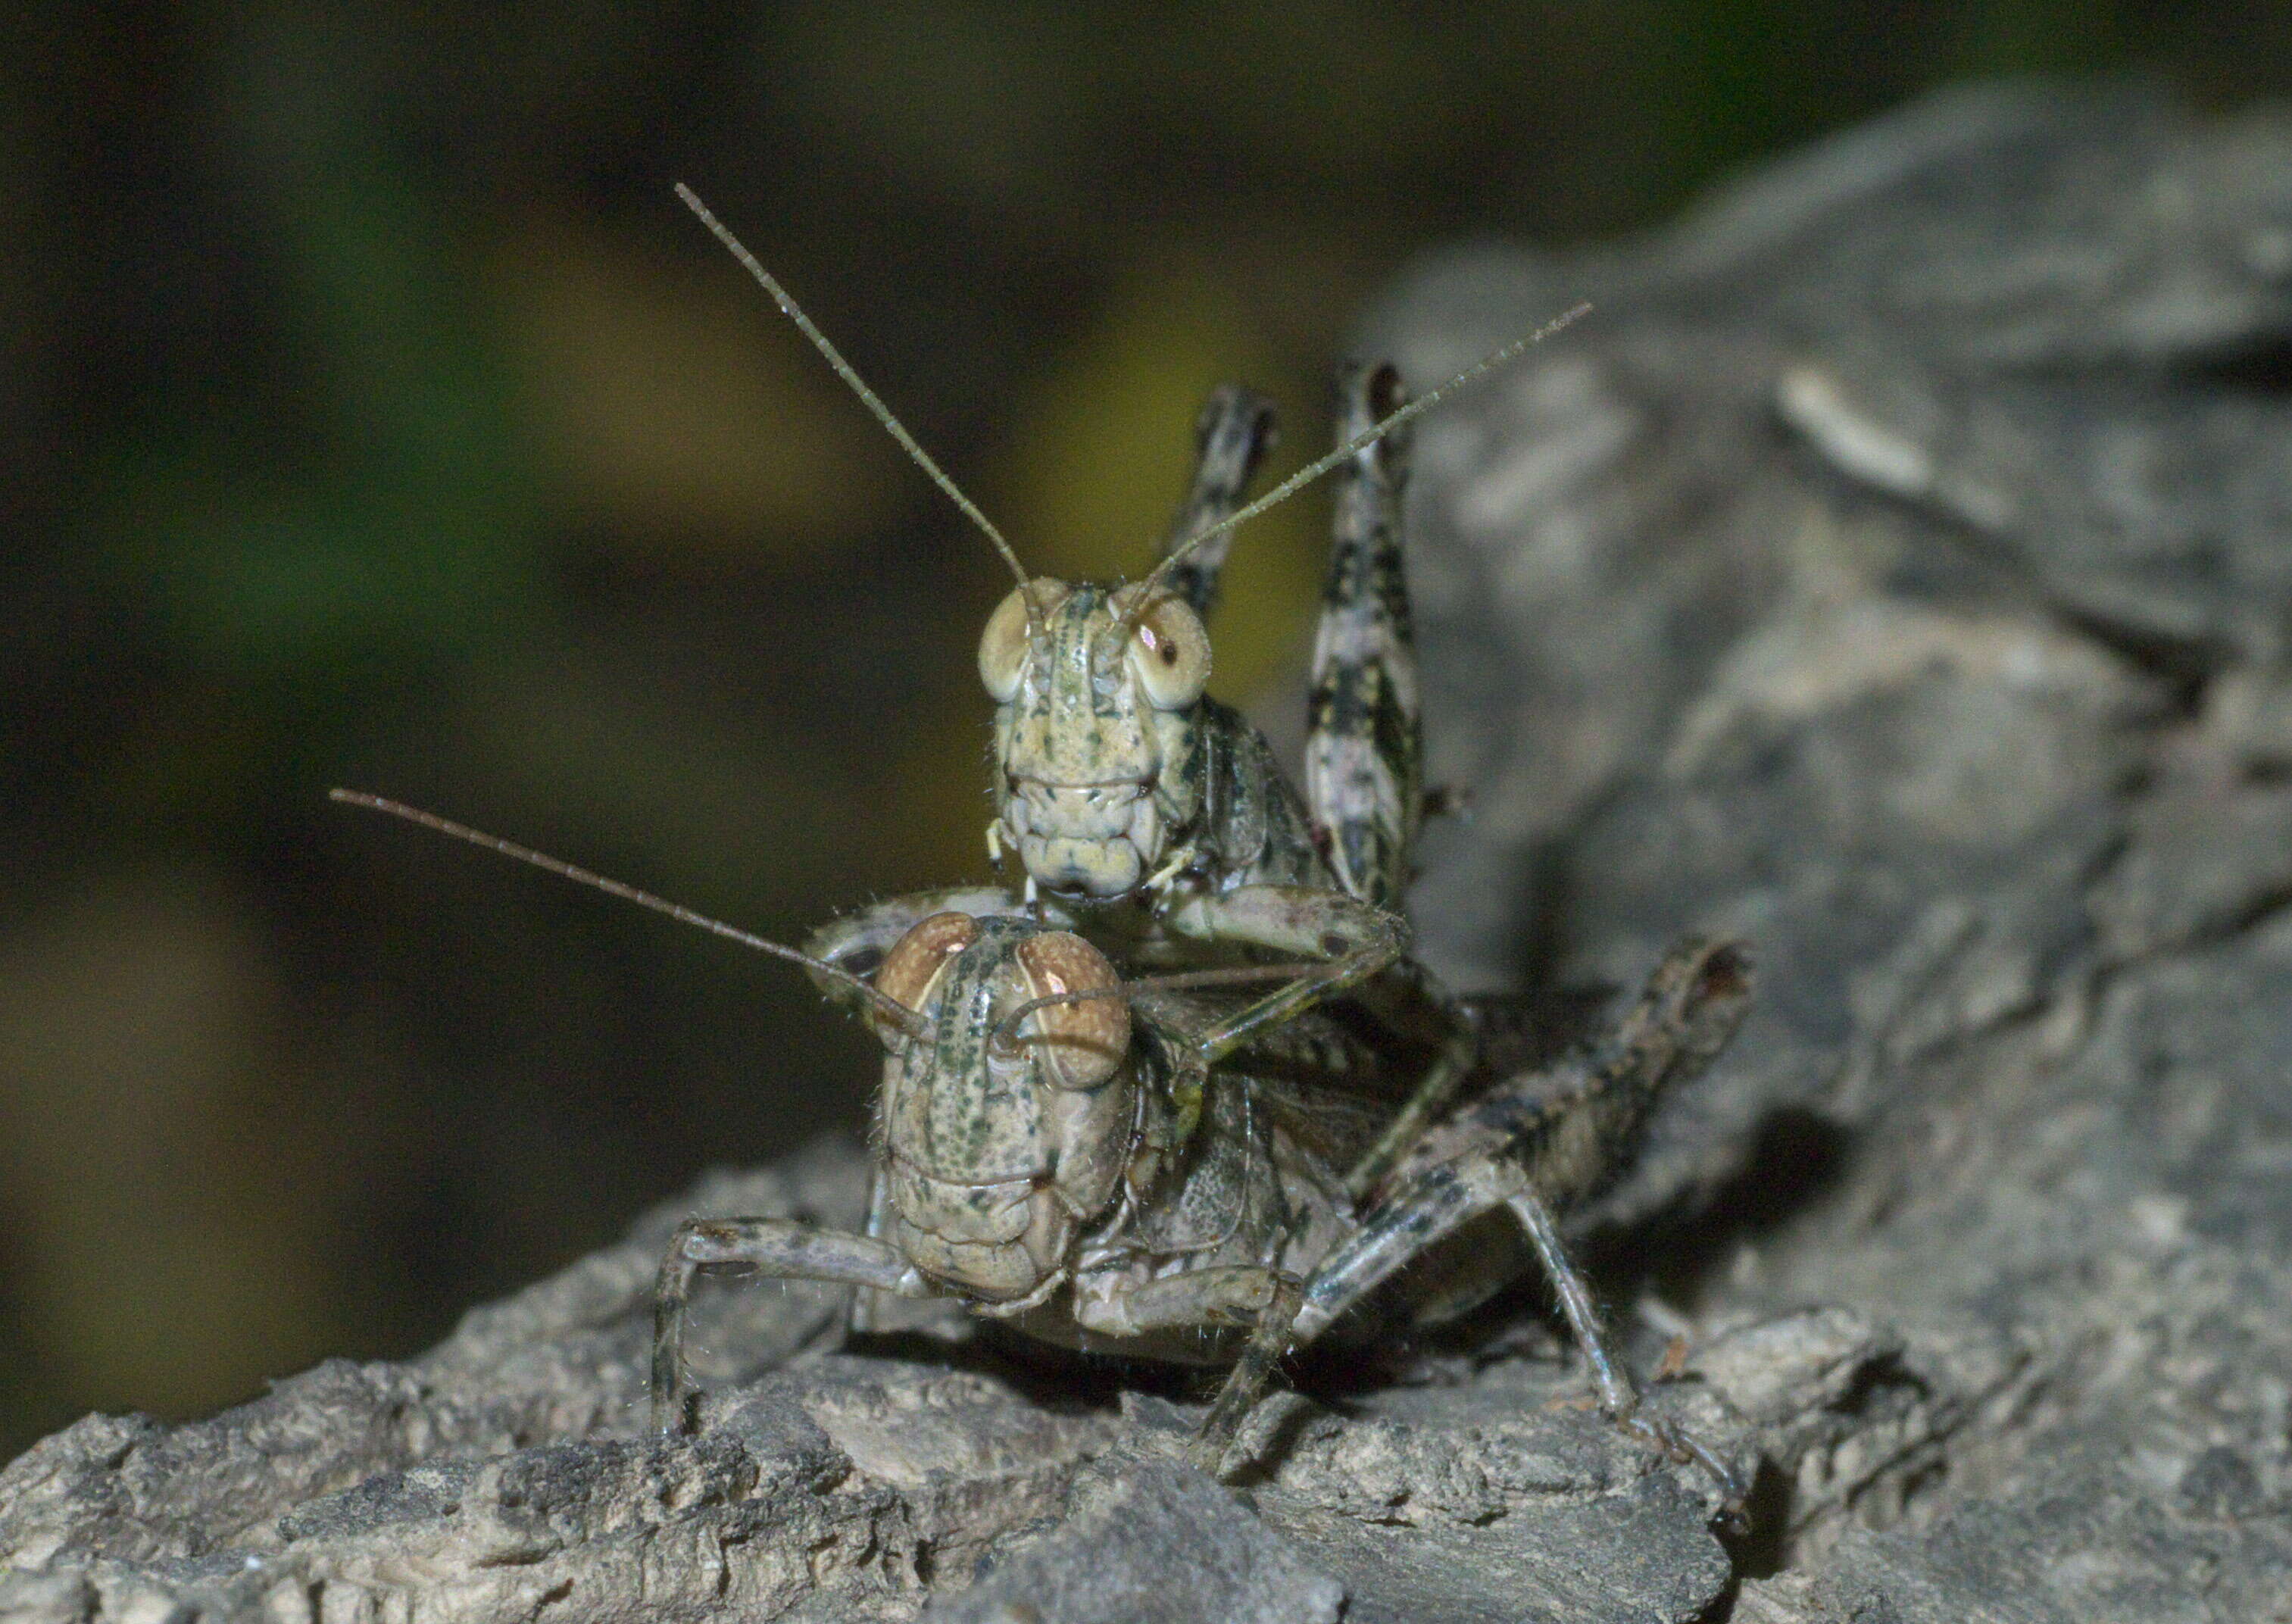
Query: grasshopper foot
{"points": [[1681, 1448], [677, 1417], [1206, 1451]]}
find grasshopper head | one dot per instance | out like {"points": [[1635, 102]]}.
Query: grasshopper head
{"points": [[998, 1149], [1096, 730]]}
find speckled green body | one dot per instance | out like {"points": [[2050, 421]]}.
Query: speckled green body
{"points": [[993, 1169], [1103, 796]]}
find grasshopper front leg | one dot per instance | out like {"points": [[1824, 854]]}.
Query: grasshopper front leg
{"points": [[779, 1249], [1358, 939], [1263, 1299]]}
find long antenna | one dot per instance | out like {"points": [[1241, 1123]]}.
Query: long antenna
{"points": [[793, 312], [1312, 470], [907, 1020]]}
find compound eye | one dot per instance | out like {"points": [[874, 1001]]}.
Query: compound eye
{"points": [[1170, 651], [1079, 1044], [916, 960], [1003, 646]]}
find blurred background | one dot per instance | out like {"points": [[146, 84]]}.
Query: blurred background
{"points": [[374, 415]]}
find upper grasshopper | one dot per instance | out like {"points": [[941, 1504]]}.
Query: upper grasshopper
{"points": [[1157, 820]]}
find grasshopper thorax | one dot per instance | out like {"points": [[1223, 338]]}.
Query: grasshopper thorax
{"points": [[1096, 731], [999, 1146]]}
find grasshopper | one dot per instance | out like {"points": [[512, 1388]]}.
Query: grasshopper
{"points": [[1156, 818], [1176, 1176], [1139, 1169]]}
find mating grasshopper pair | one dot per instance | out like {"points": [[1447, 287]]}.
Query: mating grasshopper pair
{"points": [[1162, 1165]]}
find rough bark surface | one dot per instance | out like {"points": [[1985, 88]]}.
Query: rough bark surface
{"points": [[1896, 571]]}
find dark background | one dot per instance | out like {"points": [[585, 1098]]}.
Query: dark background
{"points": [[374, 415]]}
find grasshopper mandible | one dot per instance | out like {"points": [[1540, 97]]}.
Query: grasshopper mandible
{"points": [[1136, 1168]]}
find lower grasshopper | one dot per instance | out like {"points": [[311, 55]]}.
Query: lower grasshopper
{"points": [[1165, 1181], [1143, 1169]]}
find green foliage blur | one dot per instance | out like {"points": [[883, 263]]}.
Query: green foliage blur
{"points": [[375, 416]]}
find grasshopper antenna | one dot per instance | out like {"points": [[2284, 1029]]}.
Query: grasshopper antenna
{"points": [[1312, 470], [907, 1020], [843, 369]]}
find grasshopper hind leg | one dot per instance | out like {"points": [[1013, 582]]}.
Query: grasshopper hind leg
{"points": [[1431, 1207], [1364, 745], [1618, 1397], [1363, 751], [1539, 1141], [1231, 437]]}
